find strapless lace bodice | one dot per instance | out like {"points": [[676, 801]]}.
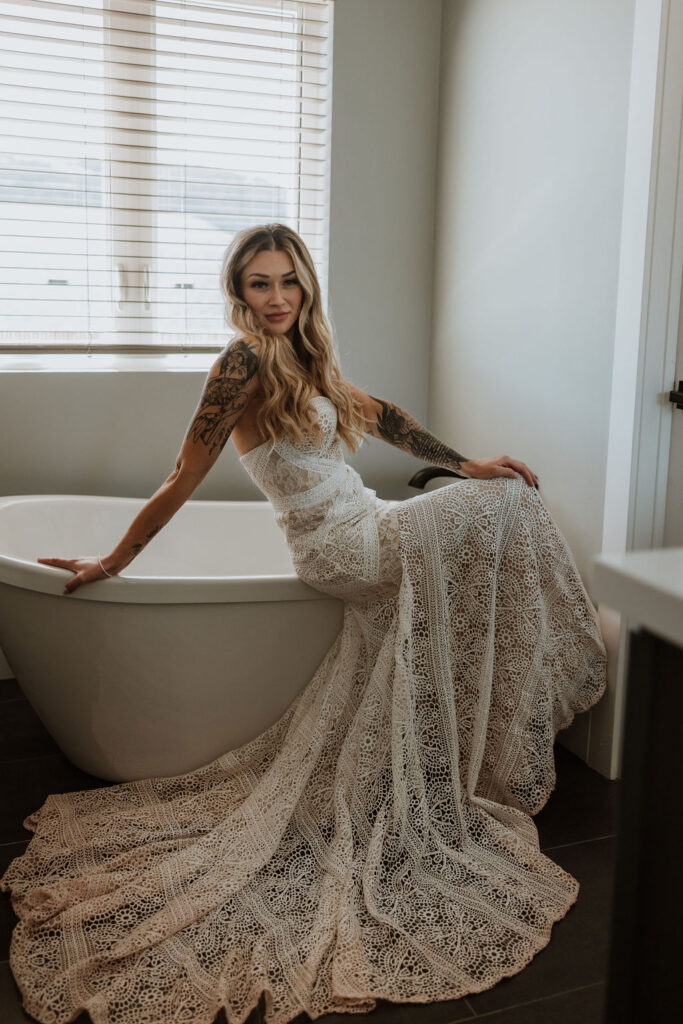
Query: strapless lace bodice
{"points": [[340, 534], [302, 477]]}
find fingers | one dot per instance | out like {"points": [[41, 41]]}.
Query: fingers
{"points": [[520, 469], [73, 584], [502, 466], [82, 569], [63, 563], [59, 563], [528, 475]]}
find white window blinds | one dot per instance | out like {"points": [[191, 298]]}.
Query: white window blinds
{"points": [[138, 137]]}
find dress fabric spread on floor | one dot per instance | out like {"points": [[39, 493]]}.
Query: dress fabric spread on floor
{"points": [[376, 840]]}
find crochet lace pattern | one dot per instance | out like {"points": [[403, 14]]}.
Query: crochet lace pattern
{"points": [[376, 841]]}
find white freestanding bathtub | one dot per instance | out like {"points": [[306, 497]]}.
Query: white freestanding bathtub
{"points": [[201, 643]]}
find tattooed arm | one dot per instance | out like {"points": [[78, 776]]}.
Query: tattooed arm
{"points": [[230, 384], [398, 428]]}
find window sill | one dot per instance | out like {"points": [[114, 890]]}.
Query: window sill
{"points": [[100, 362]]}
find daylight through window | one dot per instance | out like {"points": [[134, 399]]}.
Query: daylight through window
{"points": [[138, 137]]}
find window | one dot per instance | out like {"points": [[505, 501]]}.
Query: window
{"points": [[139, 136]]}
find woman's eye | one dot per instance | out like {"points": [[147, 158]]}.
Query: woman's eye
{"points": [[257, 284]]}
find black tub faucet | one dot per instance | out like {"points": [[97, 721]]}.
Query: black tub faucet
{"points": [[423, 476]]}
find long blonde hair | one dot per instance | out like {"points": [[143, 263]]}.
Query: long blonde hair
{"points": [[290, 371]]}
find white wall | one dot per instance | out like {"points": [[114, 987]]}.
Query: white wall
{"points": [[383, 179], [532, 133]]}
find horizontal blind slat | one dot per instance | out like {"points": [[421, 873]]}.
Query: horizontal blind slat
{"points": [[85, 180], [185, 15], [93, 348], [243, 59], [139, 27], [163, 76], [315, 10], [160, 123], [169, 172], [27, 83], [130, 141]]}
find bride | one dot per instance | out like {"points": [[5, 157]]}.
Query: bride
{"points": [[377, 840]]}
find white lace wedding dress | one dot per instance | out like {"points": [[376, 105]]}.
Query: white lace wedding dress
{"points": [[376, 840]]}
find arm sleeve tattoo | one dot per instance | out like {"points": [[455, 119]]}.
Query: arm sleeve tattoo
{"points": [[224, 398], [399, 429], [137, 548]]}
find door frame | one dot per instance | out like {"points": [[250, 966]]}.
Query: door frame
{"points": [[646, 330]]}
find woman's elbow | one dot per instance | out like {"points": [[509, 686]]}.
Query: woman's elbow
{"points": [[186, 478]]}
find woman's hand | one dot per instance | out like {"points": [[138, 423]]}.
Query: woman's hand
{"points": [[87, 570], [499, 465]]}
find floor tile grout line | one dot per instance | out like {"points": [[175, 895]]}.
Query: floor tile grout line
{"points": [[14, 842], [579, 842], [39, 757], [32, 757], [528, 1002]]}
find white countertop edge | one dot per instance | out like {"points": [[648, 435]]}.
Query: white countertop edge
{"points": [[644, 586]]}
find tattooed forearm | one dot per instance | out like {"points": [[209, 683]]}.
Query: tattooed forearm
{"points": [[224, 397], [399, 428], [137, 548]]}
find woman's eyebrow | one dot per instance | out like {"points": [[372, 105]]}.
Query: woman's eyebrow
{"points": [[268, 275]]}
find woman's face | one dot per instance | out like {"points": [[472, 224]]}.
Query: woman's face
{"points": [[270, 286]]}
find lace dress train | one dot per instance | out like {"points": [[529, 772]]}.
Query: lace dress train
{"points": [[376, 841]]}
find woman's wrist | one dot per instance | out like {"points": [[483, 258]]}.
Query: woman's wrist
{"points": [[109, 565]]}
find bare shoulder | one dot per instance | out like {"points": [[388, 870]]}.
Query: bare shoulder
{"points": [[251, 341], [239, 361], [359, 395], [369, 404]]}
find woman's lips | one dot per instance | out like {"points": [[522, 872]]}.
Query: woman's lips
{"points": [[276, 316]]}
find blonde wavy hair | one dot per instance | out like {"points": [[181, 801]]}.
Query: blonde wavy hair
{"points": [[290, 371]]}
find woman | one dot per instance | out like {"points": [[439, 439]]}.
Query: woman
{"points": [[375, 841]]}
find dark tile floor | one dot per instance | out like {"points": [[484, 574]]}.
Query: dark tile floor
{"points": [[563, 984]]}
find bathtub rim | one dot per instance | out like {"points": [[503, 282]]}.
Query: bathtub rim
{"points": [[46, 579]]}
